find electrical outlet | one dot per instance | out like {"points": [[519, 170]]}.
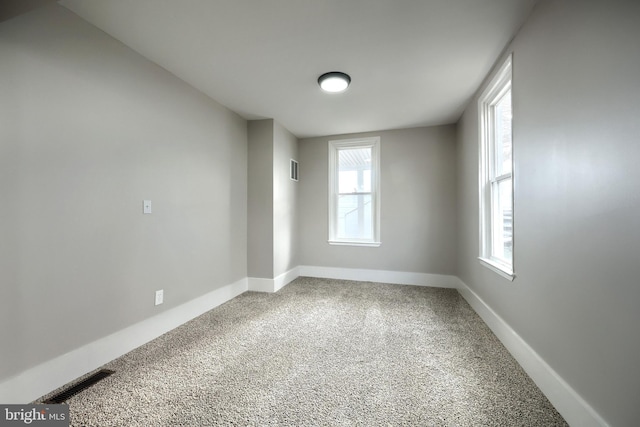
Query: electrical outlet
{"points": [[159, 297]]}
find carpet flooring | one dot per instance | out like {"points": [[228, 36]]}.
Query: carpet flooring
{"points": [[321, 353]]}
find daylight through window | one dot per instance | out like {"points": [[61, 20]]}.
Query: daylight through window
{"points": [[496, 174], [354, 198]]}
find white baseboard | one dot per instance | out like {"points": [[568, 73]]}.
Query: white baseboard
{"points": [[285, 278], [382, 276], [575, 410], [39, 380], [356, 274], [258, 284]]}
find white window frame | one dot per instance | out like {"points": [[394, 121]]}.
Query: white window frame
{"points": [[334, 147], [499, 85]]}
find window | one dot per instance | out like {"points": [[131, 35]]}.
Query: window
{"points": [[496, 174], [354, 192]]}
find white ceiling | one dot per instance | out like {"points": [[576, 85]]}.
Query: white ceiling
{"points": [[412, 62]]}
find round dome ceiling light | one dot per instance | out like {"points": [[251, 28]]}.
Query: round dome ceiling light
{"points": [[334, 81]]}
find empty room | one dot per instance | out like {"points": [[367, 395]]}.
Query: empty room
{"points": [[330, 212]]}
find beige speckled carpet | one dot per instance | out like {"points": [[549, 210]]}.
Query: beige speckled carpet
{"points": [[322, 353]]}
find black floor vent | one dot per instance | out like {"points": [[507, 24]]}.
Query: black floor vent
{"points": [[82, 385]]}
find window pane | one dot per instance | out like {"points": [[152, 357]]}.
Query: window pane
{"points": [[354, 170], [496, 172], [353, 200], [355, 213], [503, 221], [503, 129]]}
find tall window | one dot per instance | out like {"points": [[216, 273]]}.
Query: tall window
{"points": [[496, 174], [354, 195]]}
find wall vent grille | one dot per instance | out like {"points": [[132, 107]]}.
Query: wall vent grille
{"points": [[293, 170]]}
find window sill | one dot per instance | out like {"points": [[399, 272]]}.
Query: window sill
{"points": [[348, 243], [497, 268]]}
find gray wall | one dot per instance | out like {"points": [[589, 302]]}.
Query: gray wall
{"points": [[260, 203], [88, 129], [418, 180], [272, 200], [285, 225], [576, 93]]}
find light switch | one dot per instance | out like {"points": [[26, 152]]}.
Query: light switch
{"points": [[146, 207]]}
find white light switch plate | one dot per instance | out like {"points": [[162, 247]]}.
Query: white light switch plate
{"points": [[146, 207]]}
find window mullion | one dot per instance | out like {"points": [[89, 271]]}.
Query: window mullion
{"points": [[502, 177]]}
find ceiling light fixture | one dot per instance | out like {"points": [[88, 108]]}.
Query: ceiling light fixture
{"points": [[334, 81]]}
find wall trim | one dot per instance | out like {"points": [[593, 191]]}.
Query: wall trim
{"points": [[258, 284], [575, 410], [285, 278], [382, 276], [48, 376]]}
